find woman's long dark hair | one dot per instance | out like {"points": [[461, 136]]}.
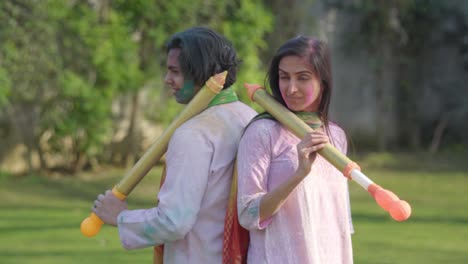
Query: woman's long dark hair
{"points": [[203, 54]]}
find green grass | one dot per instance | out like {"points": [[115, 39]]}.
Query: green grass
{"points": [[40, 215], [437, 231], [40, 219]]}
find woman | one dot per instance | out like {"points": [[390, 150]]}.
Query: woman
{"points": [[293, 202]]}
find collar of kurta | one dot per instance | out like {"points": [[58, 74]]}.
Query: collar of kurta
{"points": [[227, 95], [310, 118]]}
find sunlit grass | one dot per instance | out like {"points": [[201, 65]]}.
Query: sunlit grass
{"points": [[40, 215], [437, 230]]}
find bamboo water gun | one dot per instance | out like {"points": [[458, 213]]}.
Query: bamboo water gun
{"points": [[399, 210], [92, 224]]}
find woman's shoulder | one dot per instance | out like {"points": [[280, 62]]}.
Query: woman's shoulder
{"points": [[263, 123], [335, 129], [338, 134], [261, 127]]}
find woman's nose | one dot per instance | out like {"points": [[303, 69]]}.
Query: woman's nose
{"points": [[292, 88]]}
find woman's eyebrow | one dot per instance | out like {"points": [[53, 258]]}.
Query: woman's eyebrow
{"points": [[299, 72]]}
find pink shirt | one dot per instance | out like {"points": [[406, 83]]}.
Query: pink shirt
{"points": [[314, 224], [189, 219]]}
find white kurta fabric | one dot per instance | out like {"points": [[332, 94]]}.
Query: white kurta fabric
{"points": [[189, 219], [314, 224]]}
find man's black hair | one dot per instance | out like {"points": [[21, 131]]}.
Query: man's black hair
{"points": [[204, 53]]}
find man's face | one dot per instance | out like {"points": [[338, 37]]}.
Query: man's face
{"points": [[182, 89]]}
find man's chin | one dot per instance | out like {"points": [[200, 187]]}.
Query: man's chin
{"points": [[182, 100]]}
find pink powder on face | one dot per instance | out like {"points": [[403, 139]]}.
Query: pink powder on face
{"points": [[309, 95], [310, 100], [284, 99]]}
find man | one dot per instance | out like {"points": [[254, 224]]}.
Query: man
{"points": [[189, 218]]}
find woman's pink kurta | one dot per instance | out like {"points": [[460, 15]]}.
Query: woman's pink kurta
{"points": [[314, 224]]}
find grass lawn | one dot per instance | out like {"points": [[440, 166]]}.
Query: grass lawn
{"points": [[40, 215]]}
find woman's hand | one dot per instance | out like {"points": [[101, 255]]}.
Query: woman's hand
{"points": [[108, 207], [307, 150]]}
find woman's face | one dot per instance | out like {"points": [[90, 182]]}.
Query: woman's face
{"points": [[299, 86]]}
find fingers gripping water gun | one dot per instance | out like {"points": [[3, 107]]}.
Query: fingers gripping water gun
{"points": [[399, 210], [91, 225]]}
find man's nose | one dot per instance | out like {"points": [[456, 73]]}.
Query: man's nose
{"points": [[167, 79]]}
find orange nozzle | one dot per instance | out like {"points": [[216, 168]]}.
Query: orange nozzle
{"points": [[215, 83], [251, 88], [399, 210], [91, 225]]}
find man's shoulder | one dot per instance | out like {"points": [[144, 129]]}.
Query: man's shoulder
{"points": [[212, 117], [246, 110], [232, 112]]}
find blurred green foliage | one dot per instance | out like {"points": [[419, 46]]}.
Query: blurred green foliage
{"points": [[68, 61], [407, 36], [5, 86], [75, 73]]}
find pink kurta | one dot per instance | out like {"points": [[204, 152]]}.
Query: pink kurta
{"points": [[189, 219], [314, 224]]}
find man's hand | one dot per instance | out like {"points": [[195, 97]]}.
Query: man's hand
{"points": [[108, 207]]}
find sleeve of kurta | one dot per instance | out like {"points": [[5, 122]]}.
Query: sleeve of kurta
{"points": [[188, 161], [253, 160]]}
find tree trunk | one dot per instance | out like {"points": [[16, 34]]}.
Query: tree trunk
{"points": [[285, 26], [79, 162], [24, 119], [384, 97], [438, 133], [29, 159], [42, 161], [131, 139]]}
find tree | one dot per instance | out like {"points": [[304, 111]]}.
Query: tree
{"points": [[70, 61], [404, 37]]}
